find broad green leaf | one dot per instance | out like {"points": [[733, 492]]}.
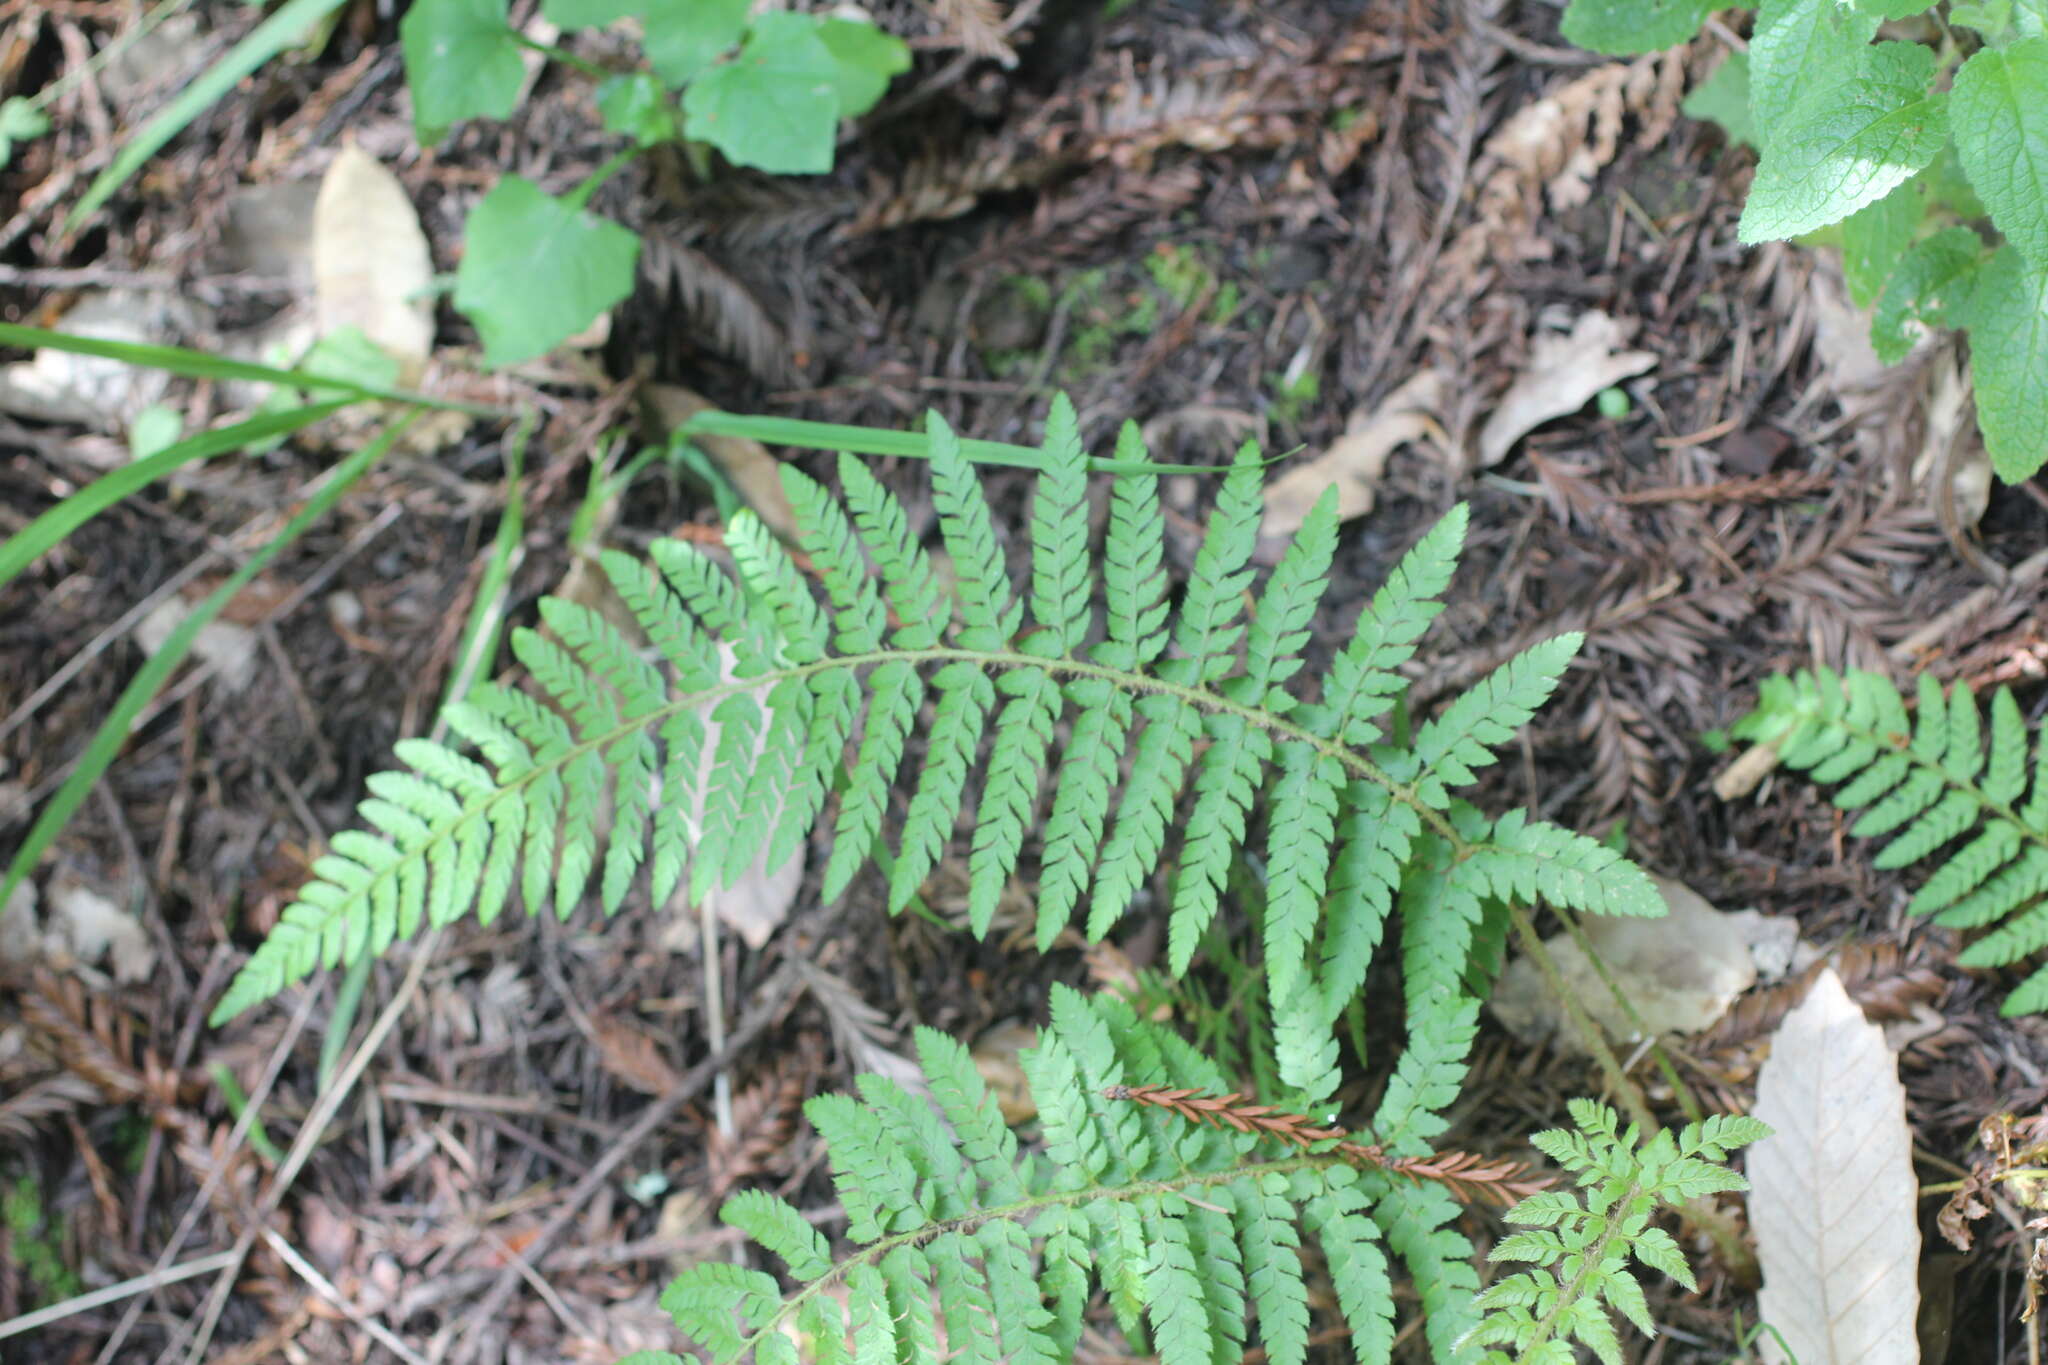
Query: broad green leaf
{"points": [[1998, 20], [1623, 26], [592, 13], [1724, 98], [461, 61], [1799, 46], [1949, 187], [1999, 115], [1875, 235], [868, 60], [2008, 318], [1919, 292], [537, 270], [775, 106], [636, 104], [155, 429], [345, 354], [20, 121], [1893, 9], [1847, 145], [684, 38]]}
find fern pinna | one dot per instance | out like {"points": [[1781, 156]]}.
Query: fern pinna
{"points": [[1171, 703], [1927, 780]]}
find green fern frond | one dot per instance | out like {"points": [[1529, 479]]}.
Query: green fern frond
{"points": [[1193, 1233], [756, 695], [1582, 1250], [1927, 780]]}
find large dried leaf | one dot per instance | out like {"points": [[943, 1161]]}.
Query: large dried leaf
{"points": [[1832, 1193], [371, 266], [1354, 462], [1563, 374]]}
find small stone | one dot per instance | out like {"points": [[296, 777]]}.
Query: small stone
{"points": [[1292, 266]]}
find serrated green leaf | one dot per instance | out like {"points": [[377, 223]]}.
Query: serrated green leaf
{"points": [[462, 61], [1998, 112], [1921, 289], [1628, 26], [775, 106], [868, 59], [1847, 143], [1999, 20], [536, 270], [1724, 98], [2008, 319], [1798, 47], [1874, 236], [683, 39]]}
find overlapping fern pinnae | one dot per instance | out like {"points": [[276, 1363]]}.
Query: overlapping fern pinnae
{"points": [[1191, 721], [1192, 1233], [1582, 1250], [1926, 781]]}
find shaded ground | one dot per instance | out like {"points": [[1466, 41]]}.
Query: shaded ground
{"points": [[1217, 220]]}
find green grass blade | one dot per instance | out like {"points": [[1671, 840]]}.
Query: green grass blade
{"points": [[915, 445], [113, 732], [285, 29], [202, 365], [37, 538]]}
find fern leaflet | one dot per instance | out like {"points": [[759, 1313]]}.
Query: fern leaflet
{"points": [[1925, 780]]}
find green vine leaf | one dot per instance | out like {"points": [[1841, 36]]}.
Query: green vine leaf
{"points": [[775, 106], [683, 40], [462, 61], [536, 270], [1630, 26]]}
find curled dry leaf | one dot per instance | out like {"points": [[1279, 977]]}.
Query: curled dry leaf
{"points": [[1563, 374], [1354, 462], [752, 470], [998, 1056], [1832, 1191], [88, 926], [371, 266]]}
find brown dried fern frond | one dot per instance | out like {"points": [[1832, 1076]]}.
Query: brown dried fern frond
{"points": [[1625, 766], [1466, 1175], [976, 26], [24, 1111], [719, 307]]}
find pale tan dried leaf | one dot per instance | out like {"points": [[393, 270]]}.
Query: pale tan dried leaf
{"points": [[1354, 462], [998, 1056], [228, 648], [371, 266], [753, 471], [1832, 1192], [1563, 374], [1680, 972], [632, 1057], [88, 925]]}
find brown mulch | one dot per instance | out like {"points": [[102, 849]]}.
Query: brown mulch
{"points": [[548, 1108]]}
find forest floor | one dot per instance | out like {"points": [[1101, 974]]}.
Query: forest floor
{"points": [[1286, 221]]}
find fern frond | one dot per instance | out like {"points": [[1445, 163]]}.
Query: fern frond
{"points": [[1927, 781], [717, 742], [1194, 1234], [1583, 1250]]}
